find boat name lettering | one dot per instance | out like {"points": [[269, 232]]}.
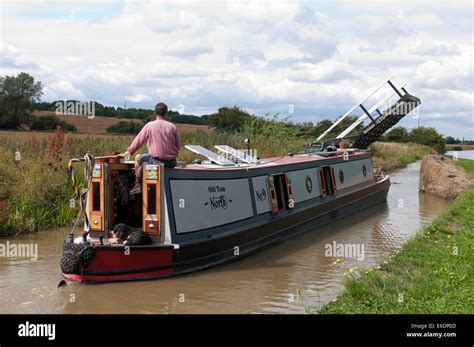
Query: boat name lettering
{"points": [[218, 202], [216, 189]]}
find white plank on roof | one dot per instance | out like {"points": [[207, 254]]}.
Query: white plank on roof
{"points": [[242, 156], [214, 157]]}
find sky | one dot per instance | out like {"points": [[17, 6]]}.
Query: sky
{"points": [[307, 60]]}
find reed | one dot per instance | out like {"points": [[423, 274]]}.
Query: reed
{"points": [[390, 155]]}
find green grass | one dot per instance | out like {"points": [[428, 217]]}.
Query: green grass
{"points": [[433, 273], [466, 164]]}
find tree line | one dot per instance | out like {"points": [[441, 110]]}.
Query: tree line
{"points": [[128, 113], [422, 135], [20, 95]]}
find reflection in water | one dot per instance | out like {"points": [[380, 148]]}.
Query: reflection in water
{"points": [[265, 282]]}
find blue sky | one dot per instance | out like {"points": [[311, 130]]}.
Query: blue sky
{"points": [[317, 58]]}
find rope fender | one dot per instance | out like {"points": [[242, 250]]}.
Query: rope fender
{"points": [[74, 255]]}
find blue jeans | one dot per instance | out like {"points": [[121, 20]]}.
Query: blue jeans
{"points": [[146, 158]]}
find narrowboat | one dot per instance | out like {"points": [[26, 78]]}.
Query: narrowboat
{"points": [[226, 206]]}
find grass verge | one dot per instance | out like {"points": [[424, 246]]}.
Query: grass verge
{"points": [[432, 273]]}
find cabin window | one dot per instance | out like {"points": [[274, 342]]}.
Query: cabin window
{"points": [[364, 170], [96, 196], [151, 199]]}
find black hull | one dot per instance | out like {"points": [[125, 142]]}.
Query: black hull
{"points": [[198, 256], [226, 248]]}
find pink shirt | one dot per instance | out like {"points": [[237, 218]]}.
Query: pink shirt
{"points": [[161, 137]]}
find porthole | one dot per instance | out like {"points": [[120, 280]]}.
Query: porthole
{"points": [[341, 176], [309, 184]]}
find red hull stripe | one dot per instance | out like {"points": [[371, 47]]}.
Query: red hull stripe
{"points": [[122, 277], [118, 260]]}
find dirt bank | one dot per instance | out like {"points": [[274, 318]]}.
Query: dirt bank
{"points": [[439, 175]]}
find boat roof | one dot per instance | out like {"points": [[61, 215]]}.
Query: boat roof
{"points": [[275, 161]]}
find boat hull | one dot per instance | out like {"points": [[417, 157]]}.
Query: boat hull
{"points": [[119, 263]]}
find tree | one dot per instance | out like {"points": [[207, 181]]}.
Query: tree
{"points": [[129, 127], [229, 119], [429, 137], [451, 140], [17, 95], [51, 123], [398, 134]]}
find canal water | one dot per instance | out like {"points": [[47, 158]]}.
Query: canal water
{"points": [[461, 154], [282, 279]]}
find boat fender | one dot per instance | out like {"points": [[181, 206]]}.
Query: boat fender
{"points": [[74, 255], [69, 262]]}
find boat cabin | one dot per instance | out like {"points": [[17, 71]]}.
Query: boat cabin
{"points": [[202, 200]]}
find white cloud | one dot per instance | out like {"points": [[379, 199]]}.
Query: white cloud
{"points": [[62, 90], [188, 51], [260, 55], [10, 57], [138, 98], [435, 49], [452, 72], [330, 71]]}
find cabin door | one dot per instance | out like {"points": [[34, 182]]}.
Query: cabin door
{"points": [[328, 177], [96, 201], [152, 177], [281, 193]]}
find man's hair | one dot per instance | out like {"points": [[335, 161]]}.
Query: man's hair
{"points": [[161, 109]]}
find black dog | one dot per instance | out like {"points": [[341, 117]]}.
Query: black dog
{"points": [[130, 236]]}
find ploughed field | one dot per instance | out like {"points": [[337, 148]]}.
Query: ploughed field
{"points": [[99, 125]]}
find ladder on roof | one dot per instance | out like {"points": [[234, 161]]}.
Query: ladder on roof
{"points": [[383, 115]]}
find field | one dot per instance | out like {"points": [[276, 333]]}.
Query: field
{"points": [[99, 125]]}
